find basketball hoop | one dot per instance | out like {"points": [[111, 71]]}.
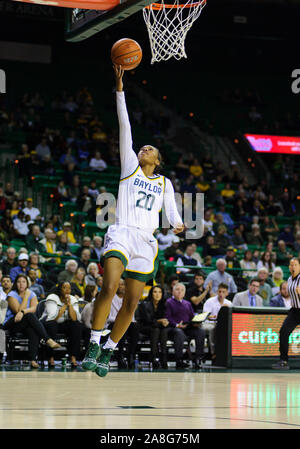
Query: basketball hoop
{"points": [[167, 26]]}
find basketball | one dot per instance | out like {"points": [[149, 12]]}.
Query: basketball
{"points": [[127, 53]]}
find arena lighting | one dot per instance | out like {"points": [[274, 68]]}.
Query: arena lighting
{"points": [[164, 97], [87, 4], [263, 143], [191, 114]]}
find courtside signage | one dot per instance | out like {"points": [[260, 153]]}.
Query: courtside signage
{"points": [[258, 335], [274, 144]]}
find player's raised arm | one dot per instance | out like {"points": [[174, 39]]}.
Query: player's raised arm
{"points": [[171, 208], [129, 160]]}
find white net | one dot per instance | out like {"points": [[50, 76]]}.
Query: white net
{"points": [[167, 26]]}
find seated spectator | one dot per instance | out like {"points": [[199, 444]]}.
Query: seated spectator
{"points": [[172, 280], [97, 163], [61, 315], [187, 259], [90, 293], [202, 185], [249, 298], [195, 169], [67, 228], [266, 261], [152, 321], [60, 192], [63, 247], [78, 283], [20, 317], [131, 335], [75, 188], [220, 276], [287, 236], [219, 221], [231, 259], [93, 191], [36, 288], [49, 241], [92, 274], [10, 260], [21, 224], [282, 299], [6, 285], [43, 151], [165, 238], [238, 240], [34, 265], [254, 237], [173, 251], [227, 192], [297, 242], [68, 273], [270, 229], [265, 290], [86, 244], [277, 278], [98, 249], [33, 212], [207, 261], [239, 212], [68, 158], [21, 268], [227, 220], [196, 293], [85, 201], [33, 240], [247, 263], [208, 223], [84, 260], [210, 248], [222, 239], [283, 255], [213, 306], [179, 314]]}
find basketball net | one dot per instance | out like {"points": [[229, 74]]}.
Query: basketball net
{"points": [[167, 26]]}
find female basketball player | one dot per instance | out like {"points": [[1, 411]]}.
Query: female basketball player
{"points": [[129, 244]]}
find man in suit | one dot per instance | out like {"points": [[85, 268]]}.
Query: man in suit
{"points": [[249, 298], [283, 298]]}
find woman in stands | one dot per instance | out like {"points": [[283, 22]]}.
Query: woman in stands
{"points": [[151, 316], [266, 261], [61, 315], [130, 246], [20, 317]]}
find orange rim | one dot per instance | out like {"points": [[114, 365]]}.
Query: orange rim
{"points": [[158, 6]]}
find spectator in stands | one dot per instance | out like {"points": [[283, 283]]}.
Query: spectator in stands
{"points": [[61, 315], [266, 261], [270, 229], [21, 268], [238, 240], [98, 249], [6, 285], [207, 261], [213, 306], [265, 291], [33, 212], [254, 237], [86, 244], [165, 238], [21, 223], [10, 260], [60, 192], [67, 228], [93, 191], [43, 151], [287, 205], [97, 163], [78, 283], [172, 280], [277, 278], [92, 274], [49, 243], [283, 255], [195, 169], [152, 321], [20, 317], [68, 273], [75, 188], [249, 298], [227, 220], [208, 166], [90, 293], [33, 240], [68, 158], [207, 221], [231, 259], [187, 259], [182, 168], [196, 293], [85, 201], [173, 251], [33, 264], [287, 236], [36, 288], [85, 258], [282, 299], [63, 247], [179, 313], [131, 335], [247, 263], [220, 276], [202, 185], [222, 239], [211, 248], [297, 242], [228, 193], [15, 209]]}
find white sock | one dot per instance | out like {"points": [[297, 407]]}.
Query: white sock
{"points": [[95, 336], [110, 344]]}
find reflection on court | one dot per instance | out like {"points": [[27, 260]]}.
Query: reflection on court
{"points": [[194, 400]]}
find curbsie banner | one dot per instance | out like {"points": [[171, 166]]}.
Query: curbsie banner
{"points": [[274, 144]]}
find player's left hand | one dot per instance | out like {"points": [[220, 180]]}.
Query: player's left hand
{"points": [[179, 228]]}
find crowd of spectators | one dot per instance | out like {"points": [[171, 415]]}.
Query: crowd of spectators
{"points": [[244, 251]]}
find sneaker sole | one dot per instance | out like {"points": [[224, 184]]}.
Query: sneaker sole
{"points": [[101, 372]]}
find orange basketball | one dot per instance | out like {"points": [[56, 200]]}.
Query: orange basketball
{"points": [[127, 53]]}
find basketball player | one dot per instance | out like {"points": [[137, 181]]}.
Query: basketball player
{"points": [[130, 249], [293, 318]]}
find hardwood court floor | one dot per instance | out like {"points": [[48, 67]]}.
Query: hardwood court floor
{"points": [[152, 400]]}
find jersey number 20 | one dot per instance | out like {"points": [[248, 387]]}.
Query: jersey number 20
{"points": [[145, 201]]}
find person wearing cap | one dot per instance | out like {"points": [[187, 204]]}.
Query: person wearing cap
{"points": [[21, 268], [33, 212], [231, 259], [67, 228], [173, 251]]}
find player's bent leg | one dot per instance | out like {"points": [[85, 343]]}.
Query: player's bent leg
{"points": [[133, 293], [113, 269]]}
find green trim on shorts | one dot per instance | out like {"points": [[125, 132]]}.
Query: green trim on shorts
{"points": [[118, 254], [143, 277]]}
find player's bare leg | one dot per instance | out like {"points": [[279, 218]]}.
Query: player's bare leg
{"points": [[133, 293], [113, 269]]}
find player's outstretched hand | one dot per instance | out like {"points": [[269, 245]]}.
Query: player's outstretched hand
{"points": [[119, 72], [179, 228]]}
